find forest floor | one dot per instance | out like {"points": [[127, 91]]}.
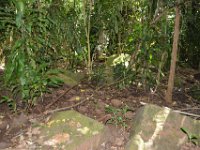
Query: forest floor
{"points": [[107, 104]]}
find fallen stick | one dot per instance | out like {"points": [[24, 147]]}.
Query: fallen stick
{"points": [[192, 108], [177, 111], [186, 113], [49, 105], [68, 107], [65, 108]]}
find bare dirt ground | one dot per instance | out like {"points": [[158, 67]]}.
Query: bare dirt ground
{"points": [[111, 106]]}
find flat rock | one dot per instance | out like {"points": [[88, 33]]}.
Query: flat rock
{"points": [[70, 78], [159, 128], [116, 103], [70, 130]]}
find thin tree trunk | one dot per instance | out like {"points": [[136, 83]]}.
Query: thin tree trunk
{"points": [[168, 96], [87, 32]]}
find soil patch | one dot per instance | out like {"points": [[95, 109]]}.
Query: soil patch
{"points": [[109, 105]]}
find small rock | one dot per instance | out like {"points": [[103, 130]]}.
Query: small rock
{"points": [[116, 103], [174, 103], [129, 115], [82, 109], [99, 112]]}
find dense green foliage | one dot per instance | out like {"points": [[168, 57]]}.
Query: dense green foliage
{"points": [[37, 37], [190, 45]]}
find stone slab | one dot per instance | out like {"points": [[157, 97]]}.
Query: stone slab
{"points": [[159, 128], [70, 130]]}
